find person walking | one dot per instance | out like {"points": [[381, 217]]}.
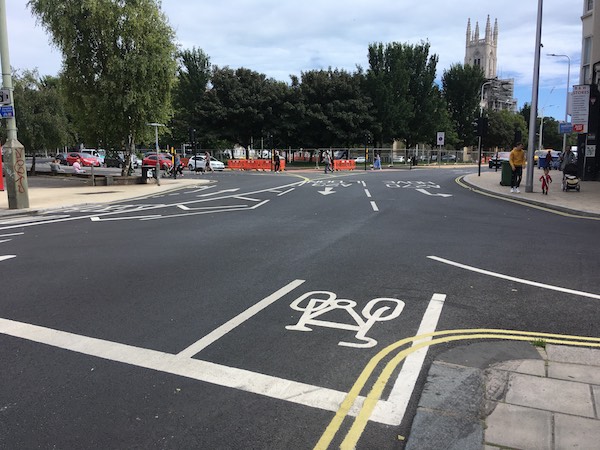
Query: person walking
{"points": [[277, 161], [207, 165], [517, 161], [327, 160], [549, 160], [568, 157], [176, 165], [377, 162], [546, 179]]}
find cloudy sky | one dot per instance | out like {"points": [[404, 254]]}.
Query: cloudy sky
{"points": [[283, 38]]}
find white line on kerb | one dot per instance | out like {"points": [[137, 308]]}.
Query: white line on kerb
{"points": [[237, 320], [374, 206], [515, 279]]}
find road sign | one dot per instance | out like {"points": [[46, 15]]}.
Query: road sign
{"points": [[440, 137], [580, 108], [565, 127], [4, 97], [7, 111]]}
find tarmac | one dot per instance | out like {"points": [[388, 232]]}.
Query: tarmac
{"points": [[497, 394]]}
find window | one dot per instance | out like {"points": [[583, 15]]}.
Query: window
{"points": [[585, 61], [589, 5]]}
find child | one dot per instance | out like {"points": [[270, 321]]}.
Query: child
{"points": [[546, 179]]}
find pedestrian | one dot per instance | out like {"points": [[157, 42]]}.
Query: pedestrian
{"points": [[207, 165], [77, 166], [327, 160], [546, 179], [549, 160], [517, 161], [377, 162], [277, 161], [568, 157], [176, 165]]}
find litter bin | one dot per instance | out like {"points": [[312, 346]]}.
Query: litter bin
{"points": [[506, 174]]}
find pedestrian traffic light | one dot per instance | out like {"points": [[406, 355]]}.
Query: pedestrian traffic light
{"points": [[476, 127]]}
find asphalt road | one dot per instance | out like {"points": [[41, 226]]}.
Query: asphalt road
{"points": [[239, 315]]}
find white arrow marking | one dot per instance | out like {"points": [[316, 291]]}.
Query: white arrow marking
{"points": [[327, 191], [423, 191], [5, 257]]}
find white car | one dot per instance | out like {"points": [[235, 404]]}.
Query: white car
{"points": [[360, 160], [198, 163]]}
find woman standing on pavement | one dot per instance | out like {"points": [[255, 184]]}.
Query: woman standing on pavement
{"points": [[207, 165], [517, 161]]}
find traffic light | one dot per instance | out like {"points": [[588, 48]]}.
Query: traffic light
{"points": [[475, 127]]}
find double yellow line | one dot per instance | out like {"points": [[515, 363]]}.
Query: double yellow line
{"points": [[361, 420]]}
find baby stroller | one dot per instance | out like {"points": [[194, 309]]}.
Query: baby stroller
{"points": [[570, 179]]}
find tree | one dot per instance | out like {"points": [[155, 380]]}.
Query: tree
{"points": [[193, 76], [401, 83], [503, 128], [461, 89], [118, 65], [41, 117]]}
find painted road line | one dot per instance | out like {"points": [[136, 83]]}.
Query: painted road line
{"points": [[238, 320], [5, 257], [515, 279], [393, 410], [374, 206], [285, 192], [109, 219], [368, 194], [5, 240], [480, 333], [212, 211], [248, 199], [10, 234], [217, 374]]}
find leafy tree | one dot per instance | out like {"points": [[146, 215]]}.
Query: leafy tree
{"points": [[401, 83], [41, 118], [193, 77], [118, 65], [461, 89], [502, 129], [336, 111]]}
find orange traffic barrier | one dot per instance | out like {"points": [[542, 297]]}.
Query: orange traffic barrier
{"points": [[344, 164], [254, 164]]}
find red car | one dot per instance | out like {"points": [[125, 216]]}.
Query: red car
{"points": [[86, 159], [165, 160]]}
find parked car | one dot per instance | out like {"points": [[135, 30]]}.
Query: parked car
{"points": [[165, 160], [399, 159], [360, 160], [448, 158], [496, 160], [86, 159], [97, 153], [114, 160], [62, 157], [198, 162]]}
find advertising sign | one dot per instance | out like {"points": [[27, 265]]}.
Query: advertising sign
{"points": [[580, 108]]}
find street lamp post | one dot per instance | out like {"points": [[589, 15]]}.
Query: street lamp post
{"points": [[567, 102], [479, 137], [157, 167]]}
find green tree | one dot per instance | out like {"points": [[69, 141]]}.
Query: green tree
{"points": [[401, 84], [118, 65], [461, 89], [503, 128], [41, 117]]}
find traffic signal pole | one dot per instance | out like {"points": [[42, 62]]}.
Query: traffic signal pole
{"points": [[16, 170]]}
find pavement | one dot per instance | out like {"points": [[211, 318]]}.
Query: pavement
{"points": [[484, 395]]}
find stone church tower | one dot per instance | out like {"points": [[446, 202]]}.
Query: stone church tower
{"points": [[483, 52]]}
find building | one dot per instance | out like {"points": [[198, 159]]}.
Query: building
{"points": [[590, 44], [497, 94]]}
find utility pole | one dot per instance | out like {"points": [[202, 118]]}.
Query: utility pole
{"points": [[13, 150]]}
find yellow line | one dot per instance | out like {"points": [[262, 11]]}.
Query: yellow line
{"points": [[375, 393], [461, 183]]}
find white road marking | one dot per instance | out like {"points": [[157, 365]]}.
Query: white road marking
{"points": [[248, 199], [211, 211], [374, 206], [423, 191], [5, 257], [238, 320], [108, 219], [219, 192], [367, 193], [11, 234], [397, 403], [285, 192], [5, 240], [327, 191], [515, 279]]}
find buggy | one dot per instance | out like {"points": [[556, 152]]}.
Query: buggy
{"points": [[570, 179]]}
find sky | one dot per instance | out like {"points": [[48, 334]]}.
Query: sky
{"points": [[281, 38]]}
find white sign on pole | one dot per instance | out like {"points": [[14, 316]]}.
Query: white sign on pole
{"points": [[440, 137], [580, 108], [4, 97]]}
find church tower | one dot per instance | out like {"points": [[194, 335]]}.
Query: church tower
{"points": [[483, 52]]}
